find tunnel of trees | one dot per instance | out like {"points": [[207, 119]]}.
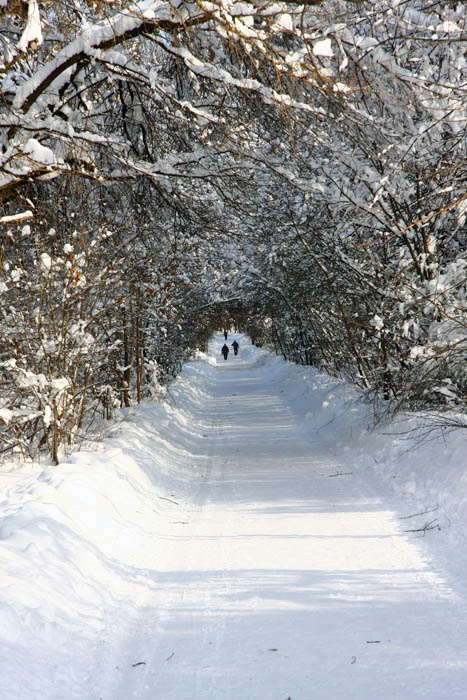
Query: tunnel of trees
{"points": [[296, 170]]}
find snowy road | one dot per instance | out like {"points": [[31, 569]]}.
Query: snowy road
{"points": [[282, 572], [293, 579]]}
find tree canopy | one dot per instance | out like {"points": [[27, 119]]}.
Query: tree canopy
{"points": [[167, 168]]}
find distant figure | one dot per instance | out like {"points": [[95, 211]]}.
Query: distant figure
{"points": [[225, 351], [225, 335], [235, 347]]}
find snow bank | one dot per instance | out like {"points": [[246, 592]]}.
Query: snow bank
{"points": [[427, 476], [75, 540]]}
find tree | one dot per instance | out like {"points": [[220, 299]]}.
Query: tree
{"points": [[297, 167]]}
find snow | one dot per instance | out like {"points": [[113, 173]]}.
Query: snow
{"points": [[285, 22], [448, 27], [45, 262], [6, 415], [33, 31], [323, 48], [250, 537], [40, 154], [377, 322]]}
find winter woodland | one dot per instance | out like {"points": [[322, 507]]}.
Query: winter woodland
{"points": [[296, 170]]}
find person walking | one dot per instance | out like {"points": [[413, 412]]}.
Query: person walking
{"points": [[225, 351], [235, 346], [225, 335]]}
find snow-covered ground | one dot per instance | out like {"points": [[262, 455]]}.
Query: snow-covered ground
{"points": [[248, 539]]}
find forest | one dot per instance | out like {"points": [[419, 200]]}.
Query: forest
{"points": [[295, 170]]}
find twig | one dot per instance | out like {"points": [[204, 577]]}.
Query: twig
{"points": [[9, 447], [424, 512], [169, 500], [428, 526]]}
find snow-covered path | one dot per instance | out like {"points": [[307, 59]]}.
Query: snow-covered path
{"points": [[281, 572], [293, 578]]}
